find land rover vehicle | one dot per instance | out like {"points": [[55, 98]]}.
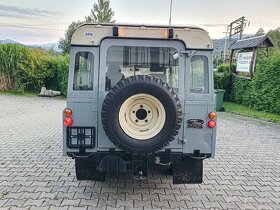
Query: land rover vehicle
{"points": [[140, 97]]}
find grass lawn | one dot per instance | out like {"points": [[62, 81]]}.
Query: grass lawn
{"points": [[245, 111]]}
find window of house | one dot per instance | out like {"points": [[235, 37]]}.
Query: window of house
{"points": [[199, 74], [83, 71]]}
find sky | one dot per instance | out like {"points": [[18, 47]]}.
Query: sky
{"points": [[45, 21]]}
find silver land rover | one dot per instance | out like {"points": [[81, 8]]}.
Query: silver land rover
{"points": [[140, 97]]}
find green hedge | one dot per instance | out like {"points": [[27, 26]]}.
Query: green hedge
{"points": [[240, 89], [262, 92], [222, 81], [224, 68], [60, 67], [25, 69]]}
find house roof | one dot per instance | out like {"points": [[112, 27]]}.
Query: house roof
{"points": [[257, 41]]}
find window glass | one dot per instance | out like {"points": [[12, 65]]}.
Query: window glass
{"points": [[126, 61], [199, 74], [83, 72]]}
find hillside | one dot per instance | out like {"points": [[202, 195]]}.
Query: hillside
{"points": [[46, 46]]}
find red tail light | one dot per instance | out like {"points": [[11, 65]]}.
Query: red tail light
{"points": [[68, 121], [211, 124]]}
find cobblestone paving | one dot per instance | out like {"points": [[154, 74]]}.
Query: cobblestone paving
{"points": [[34, 175]]}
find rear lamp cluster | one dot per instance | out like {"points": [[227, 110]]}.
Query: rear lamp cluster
{"points": [[68, 121], [212, 123]]}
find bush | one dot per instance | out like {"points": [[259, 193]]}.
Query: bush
{"points": [[241, 90], [12, 58], [263, 92], [222, 81], [225, 68], [35, 70], [266, 85], [25, 69], [60, 66]]}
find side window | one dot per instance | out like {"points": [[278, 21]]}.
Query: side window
{"points": [[199, 74], [83, 71]]}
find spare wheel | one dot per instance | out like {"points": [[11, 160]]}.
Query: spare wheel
{"points": [[141, 114]]}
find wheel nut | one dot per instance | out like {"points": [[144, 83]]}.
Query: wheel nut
{"points": [[137, 121], [141, 106], [146, 121]]}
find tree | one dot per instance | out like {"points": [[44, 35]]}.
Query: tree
{"points": [[275, 36], [64, 43], [101, 13], [260, 32]]}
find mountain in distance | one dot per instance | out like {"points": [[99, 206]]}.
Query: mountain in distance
{"points": [[8, 41], [46, 46]]}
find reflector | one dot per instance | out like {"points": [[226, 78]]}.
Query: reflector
{"points": [[211, 124], [121, 32], [68, 121], [165, 33]]}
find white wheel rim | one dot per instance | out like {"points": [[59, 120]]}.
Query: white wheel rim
{"points": [[142, 116]]}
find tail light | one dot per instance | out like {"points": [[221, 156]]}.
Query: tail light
{"points": [[68, 112], [68, 121], [212, 115], [211, 123]]}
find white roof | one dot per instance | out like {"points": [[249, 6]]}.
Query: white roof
{"points": [[93, 34]]}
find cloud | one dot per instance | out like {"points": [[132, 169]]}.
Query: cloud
{"points": [[20, 12]]}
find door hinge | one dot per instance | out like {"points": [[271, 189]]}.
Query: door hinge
{"points": [[188, 53], [182, 140]]}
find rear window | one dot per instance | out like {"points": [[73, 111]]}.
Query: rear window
{"points": [[125, 61], [83, 72], [199, 74]]}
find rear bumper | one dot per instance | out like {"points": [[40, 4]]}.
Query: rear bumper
{"points": [[185, 168]]}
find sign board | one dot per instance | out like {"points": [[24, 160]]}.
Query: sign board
{"points": [[243, 61]]}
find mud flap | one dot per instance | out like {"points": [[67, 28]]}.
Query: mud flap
{"points": [[112, 165], [87, 168], [189, 171]]}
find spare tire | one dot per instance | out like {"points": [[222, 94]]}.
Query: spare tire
{"points": [[141, 114]]}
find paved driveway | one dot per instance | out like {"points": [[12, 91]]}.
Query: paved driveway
{"points": [[34, 175]]}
